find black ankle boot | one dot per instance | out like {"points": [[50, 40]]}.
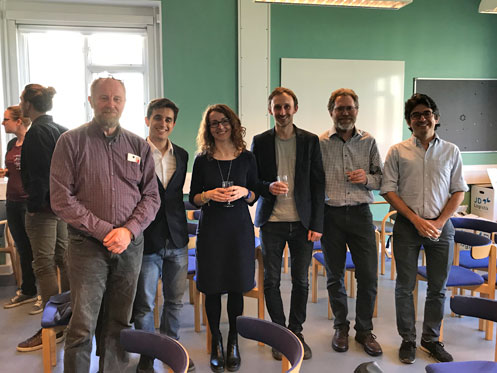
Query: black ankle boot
{"points": [[217, 355], [233, 355]]}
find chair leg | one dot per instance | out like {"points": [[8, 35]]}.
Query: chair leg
{"points": [[157, 306], [196, 309], [285, 364], [392, 266], [375, 312], [314, 283], [330, 312], [352, 284], [383, 254], [191, 291], [48, 349], [441, 336], [204, 315]]}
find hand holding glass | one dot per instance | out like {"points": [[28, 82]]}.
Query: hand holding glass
{"points": [[227, 184], [283, 179]]}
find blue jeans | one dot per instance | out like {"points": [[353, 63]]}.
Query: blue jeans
{"points": [[100, 280], [407, 243], [274, 236], [352, 226], [170, 264]]}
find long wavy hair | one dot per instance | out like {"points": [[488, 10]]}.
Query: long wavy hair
{"points": [[205, 140]]}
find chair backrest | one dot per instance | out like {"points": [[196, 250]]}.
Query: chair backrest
{"points": [[159, 346], [275, 336], [480, 245], [475, 224], [483, 308]]}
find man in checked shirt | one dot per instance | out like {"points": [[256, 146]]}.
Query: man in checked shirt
{"points": [[103, 185], [353, 169]]}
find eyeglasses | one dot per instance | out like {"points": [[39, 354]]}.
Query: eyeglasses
{"points": [[215, 123], [428, 114], [342, 109]]}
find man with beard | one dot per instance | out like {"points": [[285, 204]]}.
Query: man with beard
{"points": [[353, 169], [288, 211], [103, 185], [425, 184]]}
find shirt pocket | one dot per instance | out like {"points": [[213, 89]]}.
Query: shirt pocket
{"points": [[133, 172]]}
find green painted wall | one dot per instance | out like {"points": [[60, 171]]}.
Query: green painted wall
{"points": [[435, 38], [200, 46]]}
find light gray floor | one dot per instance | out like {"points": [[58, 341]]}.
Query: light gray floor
{"points": [[461, 337]]}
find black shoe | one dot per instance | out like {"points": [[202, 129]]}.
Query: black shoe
{"points": [[368, 341], [436, 350], [276, 354], [307, 349], [191, 366], [233, 356], [407, 352], [145, 365], [340, 341], [217, 355]]}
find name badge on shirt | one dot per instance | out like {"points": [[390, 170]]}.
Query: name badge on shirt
{"points": [[133, 158]]}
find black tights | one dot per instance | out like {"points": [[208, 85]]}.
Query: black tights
{"points": [[213, 311]]}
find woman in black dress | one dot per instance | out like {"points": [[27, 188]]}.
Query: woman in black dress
{"points": [[225, 240]]}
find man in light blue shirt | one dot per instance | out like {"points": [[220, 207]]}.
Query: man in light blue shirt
{"points": [[423, 181]]}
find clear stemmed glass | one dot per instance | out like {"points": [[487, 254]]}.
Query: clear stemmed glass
{"points": [[228, 184]]}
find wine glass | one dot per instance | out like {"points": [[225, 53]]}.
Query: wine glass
{"points": [[227, 184], [283, 179]]}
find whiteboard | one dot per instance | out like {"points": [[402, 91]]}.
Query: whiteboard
{"points": [[379, 85]]}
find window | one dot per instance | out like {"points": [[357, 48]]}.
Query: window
{"points": [[69, 59], [66, 44]]}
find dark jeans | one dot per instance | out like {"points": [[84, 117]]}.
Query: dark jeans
{"points": [[48, 237], [352, 226], [16, 211], [274, 236], [96, 274], [407, 243]]}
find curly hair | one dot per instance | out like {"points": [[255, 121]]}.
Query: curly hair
{"points": [[205, 140]]}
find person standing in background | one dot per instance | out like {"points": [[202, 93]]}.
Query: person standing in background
{"points": [[15, 123], [47, 232]]}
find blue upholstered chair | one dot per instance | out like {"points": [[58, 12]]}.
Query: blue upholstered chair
{"points": [[475, 307], [157, 346], [276, 336], [55, 318], [463, 278]]}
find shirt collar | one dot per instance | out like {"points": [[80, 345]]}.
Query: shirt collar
{"points": [[332, 131], [416, 141], [170, 149]]}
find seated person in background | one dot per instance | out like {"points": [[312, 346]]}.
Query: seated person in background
{"points": [[165, 252], [15, 123], [423, 181], [353, 169]]}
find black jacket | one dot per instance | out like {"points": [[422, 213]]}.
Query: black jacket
{"points": [[170, 221], [36, 156], [309, 178]]}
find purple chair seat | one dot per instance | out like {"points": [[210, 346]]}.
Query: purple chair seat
{"points": [[463, 367]]}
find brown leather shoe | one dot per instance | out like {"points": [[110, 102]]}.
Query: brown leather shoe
{"points": [[340, 341], [368, 340]]}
